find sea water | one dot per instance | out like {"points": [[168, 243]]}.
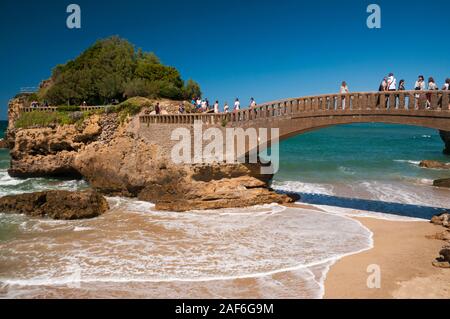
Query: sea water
{"points": [[265, 251]]}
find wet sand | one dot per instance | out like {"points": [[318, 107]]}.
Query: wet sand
{"points": [[405, 257]]}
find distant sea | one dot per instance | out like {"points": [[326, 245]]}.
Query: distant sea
{"points": [[267, 251]]}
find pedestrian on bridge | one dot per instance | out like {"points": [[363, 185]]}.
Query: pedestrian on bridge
{"points": [[419, 86], [343, 90]]}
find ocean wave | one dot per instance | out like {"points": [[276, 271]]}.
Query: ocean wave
{"points": [[301, 187], [189, 248], [415, 163]]}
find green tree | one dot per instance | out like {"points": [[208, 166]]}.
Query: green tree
{"points": [[113, 69], [191, 90]]}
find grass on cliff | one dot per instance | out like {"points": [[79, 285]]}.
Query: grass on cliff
{"points": [[44, 119]]}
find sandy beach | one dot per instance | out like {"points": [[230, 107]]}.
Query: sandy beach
{"points": [[404, 255]]}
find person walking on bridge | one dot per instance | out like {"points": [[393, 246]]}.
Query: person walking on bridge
{"points": [[237, 105], [343, 90], [432, 86], [216, 107], [226, 108], [391, 86], [253, 105], [419, 86]]}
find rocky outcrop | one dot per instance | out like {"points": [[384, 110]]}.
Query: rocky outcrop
{"points": [[442, 219], [445, 135], [51, 151], [3, 143], [115, 160], [56, 204], [434, 164], [445, 182], [131, 167], [443, 261]]}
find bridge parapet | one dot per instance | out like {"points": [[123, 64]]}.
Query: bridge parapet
{"points": [[364, 103], [55, 108]]}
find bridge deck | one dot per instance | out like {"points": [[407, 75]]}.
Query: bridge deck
{"points": [[396, 103]]}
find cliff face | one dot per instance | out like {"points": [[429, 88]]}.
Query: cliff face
{"points": [[115, 161], [445, 135]]}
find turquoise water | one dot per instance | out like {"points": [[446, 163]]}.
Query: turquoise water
{"points": [[361, 166], [134, 251], [376, 163]]}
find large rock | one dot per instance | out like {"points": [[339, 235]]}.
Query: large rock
{"points": [[434, 164], [442, 219], [445, 182], [3, 143], [115, 160], [56, 204], [444, 258], [445, 135]]}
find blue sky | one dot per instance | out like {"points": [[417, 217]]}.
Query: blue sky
{"points": [[263, 48]]}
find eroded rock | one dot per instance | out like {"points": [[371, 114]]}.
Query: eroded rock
{"points": [[445, 182], [442, 219], [434, 164], [56, 204]]}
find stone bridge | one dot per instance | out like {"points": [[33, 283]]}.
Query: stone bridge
{"points": [[298, 115]]}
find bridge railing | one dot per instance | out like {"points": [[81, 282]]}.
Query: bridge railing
{"points": [[55, 108], [389, 101]]}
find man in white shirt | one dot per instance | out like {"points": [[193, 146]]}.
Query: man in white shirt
{"points": [[237, 105], [392, 82]]}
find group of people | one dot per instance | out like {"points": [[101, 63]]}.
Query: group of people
{"points": [[203, 106], [35, 104], [389, 83]]}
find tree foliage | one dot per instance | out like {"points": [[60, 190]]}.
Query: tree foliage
{"points": [[113, 69]]}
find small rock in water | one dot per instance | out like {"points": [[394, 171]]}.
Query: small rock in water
{"points": [[434, 164], [445, 182], [63, 205], [3, 143]]}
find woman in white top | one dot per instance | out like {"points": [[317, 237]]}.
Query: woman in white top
{"points": [[237, 105], [204, 106], [419, 86], [431, 86], [226, 108], [344, 90], [216, 107], [446, 86]]}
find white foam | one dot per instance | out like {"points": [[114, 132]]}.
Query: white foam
{"points": [[368, 214], [297, 187], [208, 247], [415, 163]]}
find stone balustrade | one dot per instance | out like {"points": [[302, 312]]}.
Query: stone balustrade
{"points": [[365, 103], [55, 108]]}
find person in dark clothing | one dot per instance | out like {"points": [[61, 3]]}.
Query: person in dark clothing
{"points": [[157, 109]]}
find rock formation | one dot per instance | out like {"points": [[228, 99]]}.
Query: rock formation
{"points": [[3, 143], [445, 182], [445, 135], [56, 204], [442, 219], [434, 164], [115, 160]]}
